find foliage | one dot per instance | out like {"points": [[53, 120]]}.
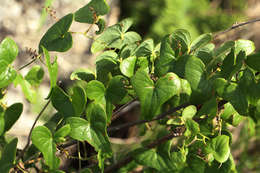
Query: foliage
{"points": [[189, 89]]}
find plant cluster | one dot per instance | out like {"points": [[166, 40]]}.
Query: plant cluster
{"points": [[187, 89]]}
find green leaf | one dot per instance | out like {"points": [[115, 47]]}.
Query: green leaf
{"points": [[52, 68], [145, 49], [193, 69], [167, 56], [35, 75], [62, 102], [8, 156], [232, 93], [189, 112], [82, 74], [192, 126], [57, 38], [244, 45], [151, 95], [200, 41], [219, 147], [115, 37], [43, 140], [115, 91], [8, 53], [226, 167], [79, 100], [182, 38], [127, 66], [95, 90], [12, 114], [61, 133], [253, 61], [90, 12], [27, 89], [154, 160], [7, 77]]}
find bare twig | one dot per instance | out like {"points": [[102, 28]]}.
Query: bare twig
{"points": [[161, 116], [236, 26], [30, 134], [118, 113]]}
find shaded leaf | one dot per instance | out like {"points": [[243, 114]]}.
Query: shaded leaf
{"points": [[35, 75], [82, 74], [200, 41], [79, 100], [115, 91], [12, 114]]}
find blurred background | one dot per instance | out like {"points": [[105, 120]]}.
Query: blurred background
{"points": [[26, 21]]}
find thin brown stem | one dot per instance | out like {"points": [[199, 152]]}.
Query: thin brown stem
{"points": [[30, 133], [236, 26], [161, 116], [118, 113]]}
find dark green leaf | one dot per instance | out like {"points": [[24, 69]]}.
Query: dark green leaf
{"points": [[95, 90], [182, 39], [127, 66], [43, 140], [79, 100], [115, 91], [200, 41], [167, 57], [8, 156], [8, 53], [192, 126], [83, 74], [62, 102], [151, 95], [57, 38], [231, 92], [253, 61], [209, 108], [12, 114], [90, 12], [2, 120], [144, 49], [35, 75]]}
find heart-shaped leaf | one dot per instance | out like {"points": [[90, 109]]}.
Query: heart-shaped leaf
{"points": [[8, 53], [219, 147], [145, 49], [189, 112], [62, 102], [43, 140], [115, 37], [90, 12], [12, 114], [8, 156], [151, 95], [192, 127], [244, 45], [95, 90], [35, 75], [57, 38]]}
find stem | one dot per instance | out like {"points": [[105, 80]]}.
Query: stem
{"points": [[236, 26], [34, 59], [130, 158], [30, 134], [118, 113], [161, 116]]}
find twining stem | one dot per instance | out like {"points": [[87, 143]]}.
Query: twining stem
{"points": [[34, 59], [30, 134]]}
